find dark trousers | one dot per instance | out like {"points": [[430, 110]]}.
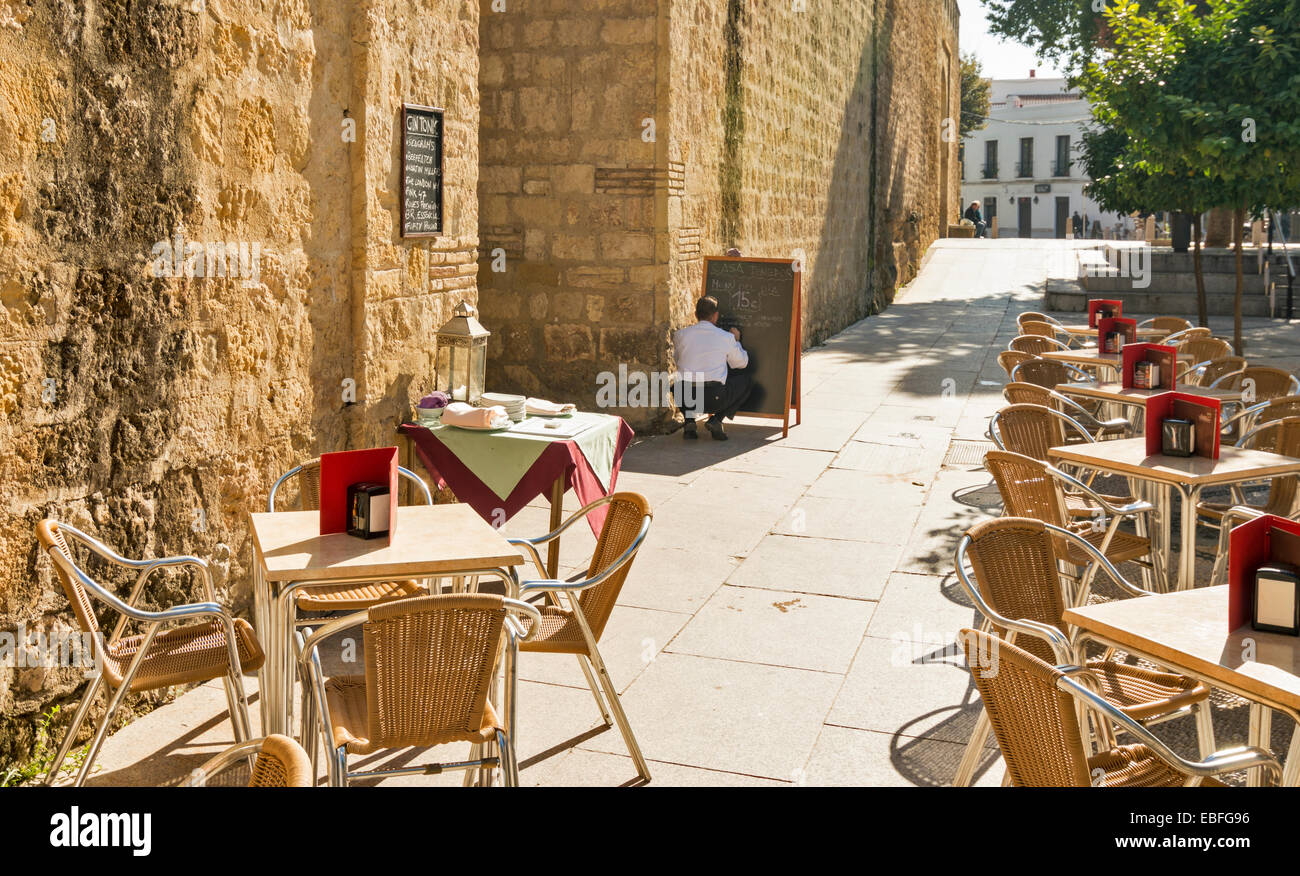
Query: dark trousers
{"points": [[716, 398]]}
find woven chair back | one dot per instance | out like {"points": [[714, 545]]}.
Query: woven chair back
{"points": [[1029, 429], [1035, 345], [429, 667], [51, 539], [1034, 721], [1009, 359], [1027, 394], [1046, 373], [1014, 560], [627, 512]]}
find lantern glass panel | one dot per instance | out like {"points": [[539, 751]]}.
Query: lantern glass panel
{"points": [[477, 369]]}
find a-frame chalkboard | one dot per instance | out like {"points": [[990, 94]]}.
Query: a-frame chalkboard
{"points": [[762, 297]]}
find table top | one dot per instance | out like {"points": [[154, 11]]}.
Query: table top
{"points": [[1129, 457], [1189, 631], [1114, 391], [1086, 356], [430, 540]]}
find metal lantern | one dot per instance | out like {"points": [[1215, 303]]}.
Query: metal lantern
{"points": [[462, 356]]}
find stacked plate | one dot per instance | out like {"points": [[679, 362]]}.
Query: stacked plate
{"points": [[514, 404]]}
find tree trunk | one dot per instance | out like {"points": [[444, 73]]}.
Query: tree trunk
{"points": [[1202, 305], [1239, 218], [1218, 230]]}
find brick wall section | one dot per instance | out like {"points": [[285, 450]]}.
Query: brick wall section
{"points": [[570, 194], [178, 401]]}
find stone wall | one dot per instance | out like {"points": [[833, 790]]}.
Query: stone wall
{"points": [[572, 260], [156, 411], [777, 128], [918, 87]]}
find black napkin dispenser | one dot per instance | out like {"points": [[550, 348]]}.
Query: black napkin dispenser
{"points": [[1276, 607], [368, 510], [1178, 437]]}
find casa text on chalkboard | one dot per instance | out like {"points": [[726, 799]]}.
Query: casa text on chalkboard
{"points": [[761, 297], [421, 170]]}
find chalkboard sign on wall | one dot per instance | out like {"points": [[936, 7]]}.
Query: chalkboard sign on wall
{"points": [[761, 297], [421, 171]]}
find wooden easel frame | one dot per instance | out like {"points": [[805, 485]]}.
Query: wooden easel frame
{"points": [[794, 366]]}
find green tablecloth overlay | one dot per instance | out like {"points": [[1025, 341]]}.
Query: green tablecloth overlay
{"points": [[501, 459]]}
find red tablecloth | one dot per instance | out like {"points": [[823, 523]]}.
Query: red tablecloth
{"points": [[561, 457]]}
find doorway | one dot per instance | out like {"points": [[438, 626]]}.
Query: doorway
{"points": [[1062, 217], [1026, 222]]}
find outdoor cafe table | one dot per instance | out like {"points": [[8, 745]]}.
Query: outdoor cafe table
{"points": [[1085, 331], [1090, 357], [498, 473], [1188, 632], [1190, 476], [429, 541]]}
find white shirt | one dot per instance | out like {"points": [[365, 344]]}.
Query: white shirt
{"points": [[704, 351]]}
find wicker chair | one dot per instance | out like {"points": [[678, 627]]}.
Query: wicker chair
{"points": [[1035, 489], [341, 597], [1170, 325], [577, 628], [1220, 371], [280, 762], [1048, 373], [1018, 393], [1036, 316], [1260, 383], [1039, 327], [1278, 436], [1202, 351], [1020, 593], [1261, 412], [430, 663], [1187, 335], [218, 645], [1035, 345], [1009, 359], [1032, 707]]}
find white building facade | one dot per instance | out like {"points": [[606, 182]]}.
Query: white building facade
{"points": [[1024, 168]]}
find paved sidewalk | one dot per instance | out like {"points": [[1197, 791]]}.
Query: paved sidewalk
{"points": [[790, 619]]}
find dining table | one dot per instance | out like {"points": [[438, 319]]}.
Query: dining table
{"points": [[426, 543], [1189, 476], [1189, 632], [497, 473], [1083, 330]]}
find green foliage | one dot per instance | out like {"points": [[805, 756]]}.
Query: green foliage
{"points": [[975, 91], [42, 758], [1063, 31]]}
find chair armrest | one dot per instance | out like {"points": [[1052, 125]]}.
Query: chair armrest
{"points": [[1055, 638], [533, 553], [1100, 559], [572, 519], [1229, 760], [215, 765], [578, 586], [1120, 510]]}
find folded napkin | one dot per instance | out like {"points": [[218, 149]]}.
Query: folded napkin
{"points": [[542, 407], [461, 414]]}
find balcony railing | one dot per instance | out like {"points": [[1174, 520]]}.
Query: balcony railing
{"points": [[1024, 169], [1061, 168], [989, 171]]}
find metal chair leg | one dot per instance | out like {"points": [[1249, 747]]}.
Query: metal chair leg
{"points": [[1204, 729], [971, 757], [624, 726], [509, 770], [101, 732], [339, 767], [595, 690], [78, 718]]}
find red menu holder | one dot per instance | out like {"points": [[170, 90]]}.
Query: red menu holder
{"points": [[1116, 324], [1165, 357], [1204, 412], [1116, 309], [1250, 546], [340, 470]]}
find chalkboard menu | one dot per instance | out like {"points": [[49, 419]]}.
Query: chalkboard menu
{"points": [[421, 171], [761, 297]]}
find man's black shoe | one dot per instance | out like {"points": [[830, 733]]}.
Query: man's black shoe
{"points": [[689, 432], [716, 430]]}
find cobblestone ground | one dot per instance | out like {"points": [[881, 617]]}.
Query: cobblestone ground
{"points": [[791, 617]]}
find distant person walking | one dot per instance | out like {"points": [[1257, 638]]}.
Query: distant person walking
{"points": [[976, 218], [1076, 225]]}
